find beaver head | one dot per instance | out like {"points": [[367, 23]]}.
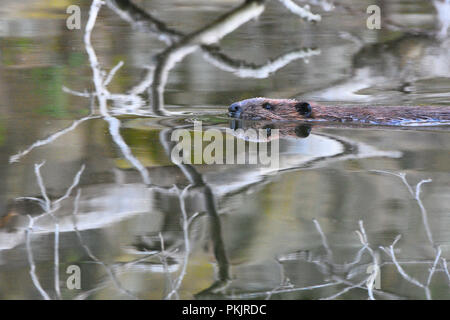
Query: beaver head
{"points": [[271, 109]]}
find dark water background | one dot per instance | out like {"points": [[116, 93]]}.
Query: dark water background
{"points": [[275, 236]]}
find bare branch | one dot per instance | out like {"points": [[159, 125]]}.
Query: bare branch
{"points": [[302, 12], [324, 240], [33, 275], [88, 251], [50, 139], [187, 248], [112, 73]]}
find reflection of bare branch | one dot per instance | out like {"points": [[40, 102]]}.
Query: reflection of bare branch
{"points": [[112, 73], [84, 94], [445, 267], [145, 83], [423, 211], [368, 281], [331, 269], [285, 282], [187, 248], [141, 19], [86, 294], [49, 140], [244, 69], [433, 268], [99, 82], [49, 208], [121, 267], [33, 275], [345, 290], [253, 295], [88, 251], [163, 259], [324, 240], [302, 12], [103, 94], [182, 45], [206, 36], [408, 277], [56, 258], [416, 195], [75, 182], [114, 130], [376, 265], [197, 182]]}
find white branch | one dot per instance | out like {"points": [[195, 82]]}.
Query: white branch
{"points": [[424, 211], [96, 71], [88, 251], [114, 131], [112, 73], [33, 275], [324, 240], [187, 248], [49, 140], [302, 12], [345, 290], [433, 268], [376, 265]]}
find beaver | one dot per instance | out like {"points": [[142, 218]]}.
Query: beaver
{"points": [[295, 110]]}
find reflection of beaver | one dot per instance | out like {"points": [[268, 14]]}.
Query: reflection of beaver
{"points": [[289, 110]]}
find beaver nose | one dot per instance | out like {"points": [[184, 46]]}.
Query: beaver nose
{"points": [[235, 107], [235, 110]]}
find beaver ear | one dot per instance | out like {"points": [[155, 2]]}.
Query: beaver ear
{"points": [[304, 108]]}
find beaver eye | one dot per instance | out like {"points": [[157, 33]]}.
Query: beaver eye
{"points": [[267, 106], [304, 108]]}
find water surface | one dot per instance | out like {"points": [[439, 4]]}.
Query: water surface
{"points": [[225, 231]]}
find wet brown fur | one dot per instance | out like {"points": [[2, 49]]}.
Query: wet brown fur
{"points": [[285, 109]]}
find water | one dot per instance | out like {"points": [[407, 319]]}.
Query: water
{"points": [[251, 234]]}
